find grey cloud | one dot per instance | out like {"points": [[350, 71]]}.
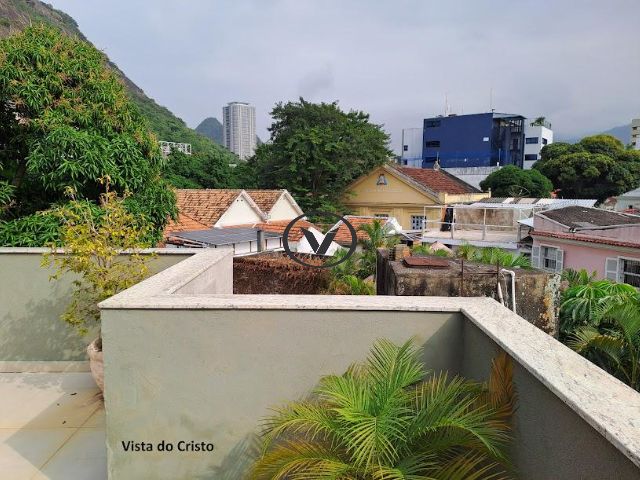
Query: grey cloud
{"points": [[576, 63]]}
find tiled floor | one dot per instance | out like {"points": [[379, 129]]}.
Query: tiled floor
{"points": [[51, 427]]}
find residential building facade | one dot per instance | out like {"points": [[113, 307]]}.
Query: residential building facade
{"points": [[628, 202], [403, 192], [411, 147], [476, 140], [206, 216], [597, 240], [635, 133], [536, 136], [239, 129]]}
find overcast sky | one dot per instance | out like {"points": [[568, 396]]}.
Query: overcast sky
{"points": [[577, 62]]}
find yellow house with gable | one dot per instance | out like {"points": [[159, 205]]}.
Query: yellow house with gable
{"points": [[402, 192]]}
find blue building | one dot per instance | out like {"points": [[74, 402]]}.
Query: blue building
{"points": [[477, 140]]}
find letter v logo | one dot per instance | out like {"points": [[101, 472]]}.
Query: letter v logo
{"points": [[319, 249]]}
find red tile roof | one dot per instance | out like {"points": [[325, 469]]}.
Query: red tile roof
{"points": [[343, 235], [437, 180], [265, 199], [184, 224], [585, 238], [205, 205]]}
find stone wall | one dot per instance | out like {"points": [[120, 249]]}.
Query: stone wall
{"points": [[536, 292]]}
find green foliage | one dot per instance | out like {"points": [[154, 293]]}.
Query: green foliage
{"points": [[492, 256], [349, 277], [511, 181], [351, 285], [423, 249], [317, 150], [615, 344], [600, 319], [584, 303], [66, 122], [197, 171], [36, 230], [597, 167], [93, 237], [388, 418], [577, 277]]}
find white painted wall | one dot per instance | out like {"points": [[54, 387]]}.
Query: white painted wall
{"points": [[283, 209], [239, 213], [534, 148], [412, 147]]}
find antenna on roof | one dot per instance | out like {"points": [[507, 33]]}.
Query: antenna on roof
{"points": [[491, 99]]}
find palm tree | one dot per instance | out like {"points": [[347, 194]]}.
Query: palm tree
{"points": [[384, 420], [585, 304], [615, 346], [577, 277]]}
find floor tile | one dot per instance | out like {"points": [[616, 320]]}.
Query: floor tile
{"points": [[23, 452], [83, 457], [46, 400]]}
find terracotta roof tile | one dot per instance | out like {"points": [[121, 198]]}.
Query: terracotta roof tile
{"points": [[265, 199], [184, 224], [205, 205], [343, 235], [585, 238], [437, 180]]}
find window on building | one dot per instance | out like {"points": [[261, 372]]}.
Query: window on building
{"points": [[531, 140], [630, 271], [547, 258], [417, 221], [381, 215], [432, 144], [405, 148], [544, 141], [432, 123], [531, 156]]}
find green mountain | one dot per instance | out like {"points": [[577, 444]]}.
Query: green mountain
{"points": [[17, 14], [211, 128]]}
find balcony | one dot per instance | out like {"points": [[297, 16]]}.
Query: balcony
{"points": [[185, 360]]}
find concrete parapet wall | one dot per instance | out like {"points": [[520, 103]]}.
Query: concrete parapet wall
{"points": [[31, 330]]}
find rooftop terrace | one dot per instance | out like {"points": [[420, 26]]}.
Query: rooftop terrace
{"points": [[185, 359]]}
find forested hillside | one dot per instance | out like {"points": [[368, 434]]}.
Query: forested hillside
{"points": [[17, 14]]}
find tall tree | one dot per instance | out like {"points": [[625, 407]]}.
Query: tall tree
{"points": [[511, 181], [67, 123], [596, 167], [317, 150]]}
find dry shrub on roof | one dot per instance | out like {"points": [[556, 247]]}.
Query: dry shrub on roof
{"points": [[278, 274]]}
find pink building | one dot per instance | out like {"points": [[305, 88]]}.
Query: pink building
{"points": [[591, 238]]}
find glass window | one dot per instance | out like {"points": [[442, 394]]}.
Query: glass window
{"points": [[432, 144], [531, 140], [631, 272], [432, 123], [405, 148], [381, 215], [531, 156], [544, 141], [548, 257], [417, 221]]}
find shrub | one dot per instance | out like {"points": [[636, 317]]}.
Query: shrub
{"points": [[92, 239]]}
